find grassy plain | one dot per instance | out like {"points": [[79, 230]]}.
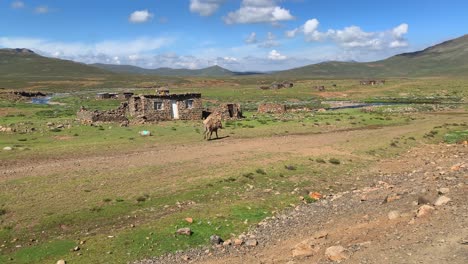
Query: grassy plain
{"points": [[120, 197]]}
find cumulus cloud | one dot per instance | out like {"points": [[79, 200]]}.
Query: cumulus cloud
{"points": [[17, 5], [269, 42], [42, 10], [205, 7], [353, 36], [140, 16], [275, 55], [258, 11]]}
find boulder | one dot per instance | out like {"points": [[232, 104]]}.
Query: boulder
{"points": [[184, 231], [215, 240], [442, 200], [336, 253], [425, 210]]}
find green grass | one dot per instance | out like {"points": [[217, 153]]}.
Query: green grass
{"points": [[456, 136]]}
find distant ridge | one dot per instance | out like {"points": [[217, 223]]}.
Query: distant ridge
{"points": [[25, 63], [213, 71], [447, 58]]}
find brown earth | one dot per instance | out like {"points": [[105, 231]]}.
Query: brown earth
{"points": [[374, 224]]}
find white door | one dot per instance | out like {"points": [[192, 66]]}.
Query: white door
{"points": [[175, 110]]}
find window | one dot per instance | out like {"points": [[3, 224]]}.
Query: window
{"points": [[189, 104], [158, 106]]}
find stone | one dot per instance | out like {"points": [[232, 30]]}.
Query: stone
{"points": [[442, 200], [305, 249], [7, 148], [185, 258], [227, 243], [189, 220], [425, 199], [424, 210], [444, 190], [61, 262], [215, 240], [251, 242], [336, 253], [77, 248], [184, 231], [238, 242], [393, 215]]}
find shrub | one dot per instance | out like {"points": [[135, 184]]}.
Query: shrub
{"points": [[106, 200], [290, 167], [22, 139], [261, 171], [141, 199], [119, 200], [334, 161], [249, 175], [2, 212], [309, 199], [320, 160]]}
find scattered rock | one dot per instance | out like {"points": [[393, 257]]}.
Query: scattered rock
{"points": [[444, 190], [184, 231], [238, 242], [251, 242], [305, 249], [425, 199], [336, 253], [227, 243], [7, 148], [315, 195], [185, 258], [442, 200], [391, 198], [425, 210], [77, 248], [189, 220], [61, 262], [393, 215], [215, 240]]}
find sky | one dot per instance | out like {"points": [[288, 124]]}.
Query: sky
{"points": [[240, 35]]}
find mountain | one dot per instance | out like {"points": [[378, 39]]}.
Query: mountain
{"points": [[26, 63], [213, 71], [447, 58]]}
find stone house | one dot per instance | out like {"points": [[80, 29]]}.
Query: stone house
{"points": [[166, 107], [228, 111], [115, 115]]}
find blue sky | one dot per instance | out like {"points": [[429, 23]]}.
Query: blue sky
{"points": [[240, 35]]}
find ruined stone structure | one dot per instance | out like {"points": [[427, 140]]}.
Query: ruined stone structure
{"points": [[228, 111], [114, 115], [372, 82], [125, 95], [272, 108], [320, 88], [166, 107], [102, 96]]}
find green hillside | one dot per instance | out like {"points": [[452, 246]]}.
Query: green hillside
{"points": [[447, 58], [25, 63], [214, 71]]}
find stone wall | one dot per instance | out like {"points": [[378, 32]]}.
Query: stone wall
{"points": [[229, 111], [272, 108], [109, 116]]}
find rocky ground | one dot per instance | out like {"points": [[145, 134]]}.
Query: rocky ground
{"points": [[414, 211]]}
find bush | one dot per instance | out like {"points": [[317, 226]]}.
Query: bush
{"points": [[261, 171], [320, 160], [3, 212], [290, 167], [334, 161], [141, 199], [248, 175], [106, 200]]}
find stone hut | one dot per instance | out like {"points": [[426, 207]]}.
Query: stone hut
{"points": [[125, 95], [272, 108], [103, 96], [166, 107]]}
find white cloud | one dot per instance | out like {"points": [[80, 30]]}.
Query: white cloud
{"points": [[42, 10], [353, 36], [252, 38], [275, 55], [140, 16], [17, 5], [80, 51], [258, 11], [269, 42], [205, 7]]}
